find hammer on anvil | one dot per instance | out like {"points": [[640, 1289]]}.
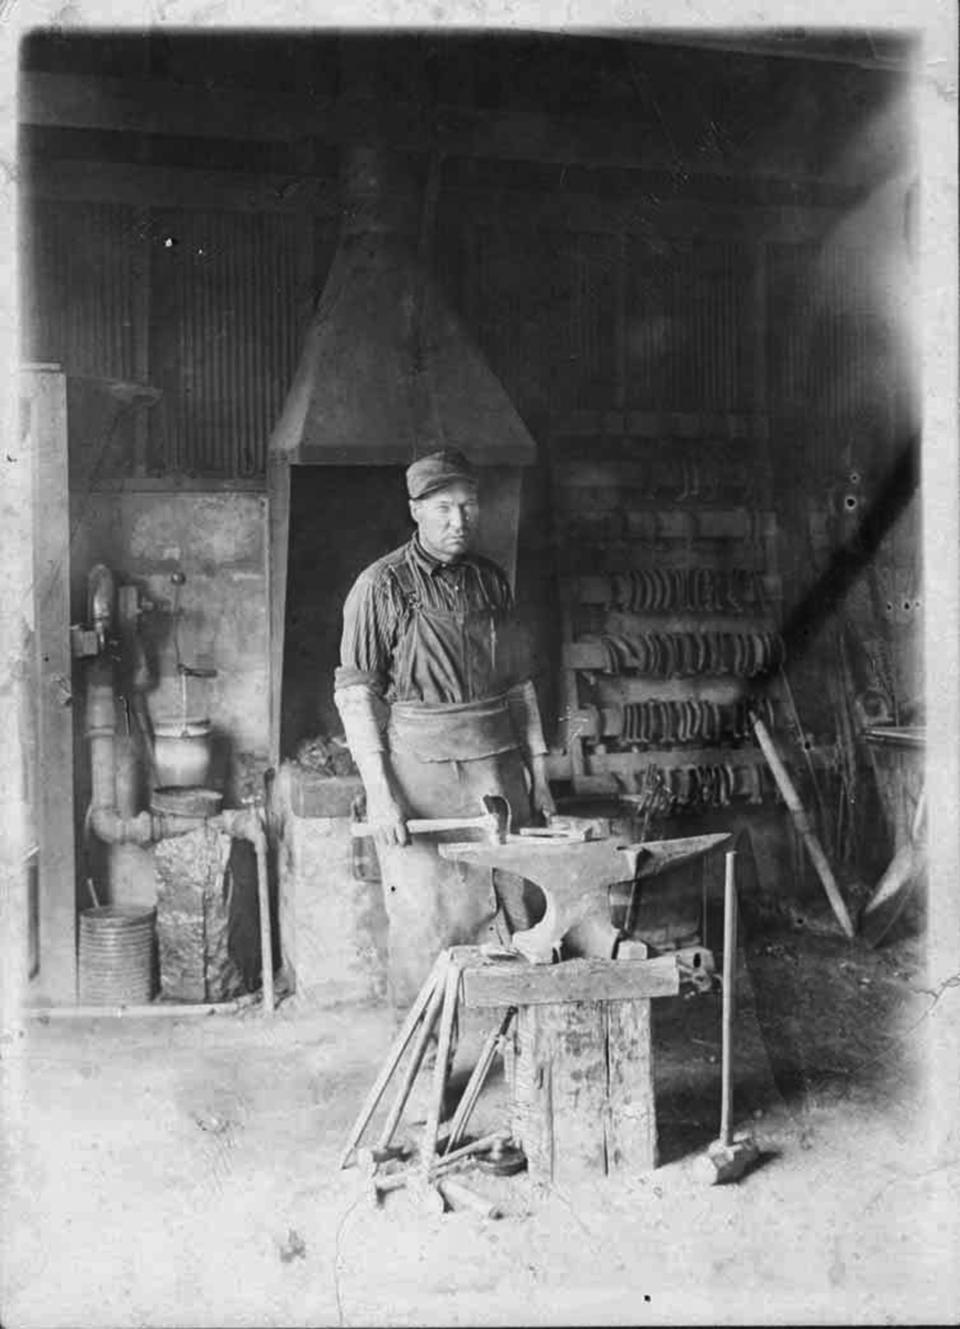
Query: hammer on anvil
{"points": [[494, 824], [575, 879]]}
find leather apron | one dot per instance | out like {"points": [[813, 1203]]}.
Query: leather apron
{"points": [[444, 758]]}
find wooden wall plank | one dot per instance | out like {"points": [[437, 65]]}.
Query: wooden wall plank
{"points": [[45, 398]]}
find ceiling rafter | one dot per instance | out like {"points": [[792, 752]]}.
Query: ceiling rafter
{"points": [[161, 107]]}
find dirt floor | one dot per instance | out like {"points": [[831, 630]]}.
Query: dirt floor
{"points": [[183, 1172]]}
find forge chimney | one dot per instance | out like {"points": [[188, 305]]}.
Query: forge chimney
{"points": [[388, 373]]}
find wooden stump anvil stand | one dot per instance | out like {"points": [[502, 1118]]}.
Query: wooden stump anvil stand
{"points": [[581, 1066]]}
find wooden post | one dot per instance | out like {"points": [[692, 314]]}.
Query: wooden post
{"points": [[802, 822], [277, 553], [44, 395]]}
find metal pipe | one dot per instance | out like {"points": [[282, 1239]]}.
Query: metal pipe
{"points": [[263, 899], [109, 826], [105, 818]]}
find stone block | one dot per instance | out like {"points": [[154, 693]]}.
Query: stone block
{"points": [[333, 926], [193, 918]]}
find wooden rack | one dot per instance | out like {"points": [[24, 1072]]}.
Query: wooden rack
{"points": [[670, 597]]}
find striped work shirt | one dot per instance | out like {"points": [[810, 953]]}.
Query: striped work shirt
{"points": [[416, 629]]}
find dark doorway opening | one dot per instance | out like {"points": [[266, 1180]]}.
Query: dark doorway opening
{"points": [[342, 518]]}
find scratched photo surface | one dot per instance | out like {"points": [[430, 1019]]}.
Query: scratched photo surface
{"points": [[652, 1017]]}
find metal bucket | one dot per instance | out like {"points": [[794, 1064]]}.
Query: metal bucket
{"points": [[118, 955], [182, 753]]}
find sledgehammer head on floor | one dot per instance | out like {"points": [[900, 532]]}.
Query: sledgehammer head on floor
{"points": [[724, 1163]]}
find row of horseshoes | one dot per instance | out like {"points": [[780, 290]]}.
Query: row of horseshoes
{"points": [[670, 722], [683, 478], [710, 786], [673, 475], [690, 590], [679, 654], [659, 530]]}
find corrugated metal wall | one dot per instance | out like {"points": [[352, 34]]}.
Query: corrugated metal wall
{"points": [[77, 287], [224, 334], [833, 374], [591, 358], [689, 337], [226, 297], [591, 321], [494, 278], [568, 320]]}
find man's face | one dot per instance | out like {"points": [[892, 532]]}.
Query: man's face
{"points": [[447, 520]]}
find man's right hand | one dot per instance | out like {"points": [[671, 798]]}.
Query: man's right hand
{"points": [[387, 822], [386, 815]]}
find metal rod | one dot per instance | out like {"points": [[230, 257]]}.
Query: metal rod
{"points": [[729, 971], [161, 1008], [703, 903], [395, 1181], [416, 1058], [397, 1049], [477, 1077], [480, 1146], [263, 900], [447, 1015]]}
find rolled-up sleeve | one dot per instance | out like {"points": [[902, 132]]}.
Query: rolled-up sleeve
{"points": [[369, 633]]}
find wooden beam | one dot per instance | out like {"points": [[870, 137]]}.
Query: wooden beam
{"points": [[521, 984], [141, 186], [699, 425], [168, 108], [785, 48], [163, 106], [635, 213]]}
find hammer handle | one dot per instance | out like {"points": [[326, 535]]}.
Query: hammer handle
{"points": [[424, 825], [727, 997]]}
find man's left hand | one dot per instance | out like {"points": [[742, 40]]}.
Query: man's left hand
{"points": [[541, 798]]}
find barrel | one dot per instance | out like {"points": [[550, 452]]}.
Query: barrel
{"points": [[118, 955]]}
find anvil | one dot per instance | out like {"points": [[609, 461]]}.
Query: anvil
{"points": [[575, 880]]}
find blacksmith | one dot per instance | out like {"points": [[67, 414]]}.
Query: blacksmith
{"points": [[438, 710]]}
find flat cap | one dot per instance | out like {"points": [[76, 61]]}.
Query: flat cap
{"points": [[437, 470]]}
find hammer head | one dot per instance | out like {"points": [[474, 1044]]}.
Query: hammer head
{"points": [[728, 1162], [497, 814]]}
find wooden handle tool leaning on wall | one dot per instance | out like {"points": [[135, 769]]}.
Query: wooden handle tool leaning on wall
{"points": [[802, 822]]}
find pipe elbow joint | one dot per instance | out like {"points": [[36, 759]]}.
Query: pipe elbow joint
{"points": [[109, 826]]}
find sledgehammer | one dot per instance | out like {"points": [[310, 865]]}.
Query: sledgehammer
{"points": [[728, 1158]]}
